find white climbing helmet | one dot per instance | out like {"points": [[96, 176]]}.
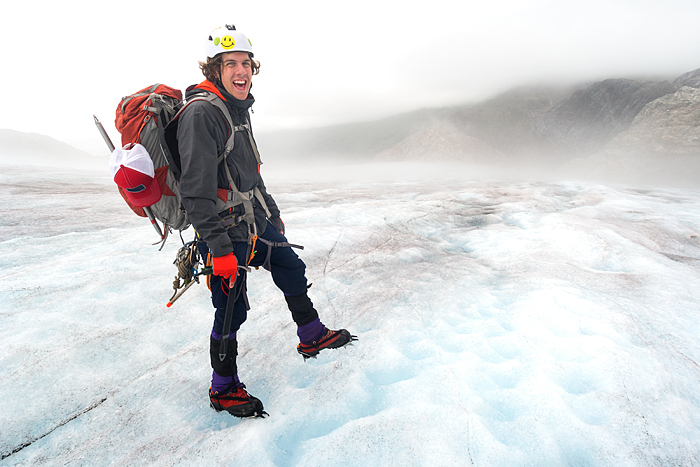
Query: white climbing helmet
{"points": [[227, 39]]}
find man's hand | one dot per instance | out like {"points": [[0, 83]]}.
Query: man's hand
{"points": [[225, 266], [277, 224]]}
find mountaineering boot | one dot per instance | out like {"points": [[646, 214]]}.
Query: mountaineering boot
{"points": [[329, 340], [237, 402]]}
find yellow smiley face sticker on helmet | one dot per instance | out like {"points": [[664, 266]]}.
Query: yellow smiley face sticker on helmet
{"points": [[227, 42]]}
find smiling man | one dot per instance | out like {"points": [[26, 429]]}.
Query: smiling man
{"points": [[238, 223]]}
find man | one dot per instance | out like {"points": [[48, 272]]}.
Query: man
{"points": [[234, 216]]}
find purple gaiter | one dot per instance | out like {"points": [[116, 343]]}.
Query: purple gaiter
{"points": [[311, 332]]}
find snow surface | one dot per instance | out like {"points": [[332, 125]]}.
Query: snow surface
{"points": [[500, 323]]}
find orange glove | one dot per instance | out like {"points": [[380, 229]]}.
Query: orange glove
{"points": [[225, 266]]}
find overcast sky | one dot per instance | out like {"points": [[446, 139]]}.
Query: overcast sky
{"points": [[325, 62]]}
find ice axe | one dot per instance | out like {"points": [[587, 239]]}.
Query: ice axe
{"points": [[176, 285], [147, 209], [226, 331]]}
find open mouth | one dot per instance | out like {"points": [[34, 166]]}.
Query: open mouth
{"points": [[239, 84]]}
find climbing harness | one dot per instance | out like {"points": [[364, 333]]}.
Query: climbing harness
{"points": [[270, 245]]}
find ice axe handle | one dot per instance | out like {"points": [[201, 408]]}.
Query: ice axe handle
{"points": [[154, 223], [104, 134], [227, 319]]}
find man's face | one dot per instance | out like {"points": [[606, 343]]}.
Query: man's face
{"points": [[236, 74]]}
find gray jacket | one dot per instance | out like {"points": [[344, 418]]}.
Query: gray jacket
{"points": [[202, 133]]}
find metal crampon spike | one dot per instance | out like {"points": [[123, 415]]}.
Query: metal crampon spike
{"points": [[350, 342]]}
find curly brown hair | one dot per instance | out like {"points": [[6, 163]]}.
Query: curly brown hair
{"points": [[211, 69]]}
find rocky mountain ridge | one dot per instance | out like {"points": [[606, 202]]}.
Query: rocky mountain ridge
{"points": [[662, 144], [635, 125], [590, 117], [555, 128]]}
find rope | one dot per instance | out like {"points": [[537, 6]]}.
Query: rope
{"points": [[186, 260]]}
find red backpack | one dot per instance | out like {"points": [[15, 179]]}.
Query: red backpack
{"points": [[142, 118]]}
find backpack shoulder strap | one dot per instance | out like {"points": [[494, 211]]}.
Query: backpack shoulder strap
{"points": [[261, 200], [252, 142], [214, 100]]}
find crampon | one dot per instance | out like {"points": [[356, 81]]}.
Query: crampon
{"points": [[330, 340], [238, 403]]}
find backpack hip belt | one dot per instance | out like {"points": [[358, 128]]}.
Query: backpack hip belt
{"points": [[233, 199]]}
